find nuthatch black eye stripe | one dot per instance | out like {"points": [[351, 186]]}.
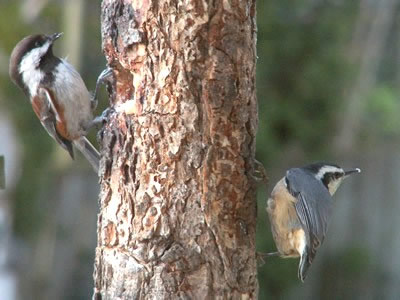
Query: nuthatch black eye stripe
{"points": [[300, 208]]}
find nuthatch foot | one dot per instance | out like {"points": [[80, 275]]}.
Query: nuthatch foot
{"points": [[300, 208]]}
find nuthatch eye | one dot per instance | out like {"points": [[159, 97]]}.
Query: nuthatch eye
{"points": [[300, 208]]}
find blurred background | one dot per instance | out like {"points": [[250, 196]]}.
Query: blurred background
{"points": [[328, 79], [48, 212]]}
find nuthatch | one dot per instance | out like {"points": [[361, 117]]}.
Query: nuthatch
{"points": [[300, 208]]}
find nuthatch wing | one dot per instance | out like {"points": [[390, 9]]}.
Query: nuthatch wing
{"points": [[300, 208]]}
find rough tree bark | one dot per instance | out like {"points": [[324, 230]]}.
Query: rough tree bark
{"points": [[177, 205]]}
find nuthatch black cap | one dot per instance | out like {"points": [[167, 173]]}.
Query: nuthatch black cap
{"points": [[300, 208]]}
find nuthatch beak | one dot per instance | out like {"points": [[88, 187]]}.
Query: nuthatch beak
{"points": [[300, 208]]}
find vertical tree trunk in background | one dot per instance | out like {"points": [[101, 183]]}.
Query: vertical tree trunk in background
{"points": [[381, 15], [177, 204]]}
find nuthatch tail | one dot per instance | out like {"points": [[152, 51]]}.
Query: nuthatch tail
{"points": [[300, 208]]}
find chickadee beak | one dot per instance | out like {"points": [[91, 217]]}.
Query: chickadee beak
{"points": [[55, 36], [351, 171]]}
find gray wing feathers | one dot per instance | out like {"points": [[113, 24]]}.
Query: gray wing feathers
{"points": [[48, 124], [314, 204], [48, 118]]}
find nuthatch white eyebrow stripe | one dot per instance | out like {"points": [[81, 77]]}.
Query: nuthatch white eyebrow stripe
{"points": [[300, 208]]}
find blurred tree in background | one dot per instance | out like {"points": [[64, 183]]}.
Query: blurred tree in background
{"points": [[54, 196], [302, 72], [328, 82]]}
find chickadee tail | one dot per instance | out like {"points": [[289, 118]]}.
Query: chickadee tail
{"points": [[88, 151], [304, 265]]}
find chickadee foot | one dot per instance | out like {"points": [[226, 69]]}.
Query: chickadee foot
{"points": [[259, 174], [99, 120], [104, 77]]}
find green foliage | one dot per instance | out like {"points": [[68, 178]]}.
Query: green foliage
{"points": [[382, 112], [302, 72], [35, 142], [38, 155], [38, 158], [347, 265]]}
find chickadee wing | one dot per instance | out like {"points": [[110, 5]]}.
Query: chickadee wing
{"points": [[313, 206], [46, 112]]}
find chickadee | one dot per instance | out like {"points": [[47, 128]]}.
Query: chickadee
{"points": [[300, 208], [57, 93]]}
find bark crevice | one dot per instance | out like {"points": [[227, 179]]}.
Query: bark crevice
{"points": [[177, 203]]}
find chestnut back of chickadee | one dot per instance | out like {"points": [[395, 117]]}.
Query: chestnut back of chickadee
{"points": [[300, 208], [57, 93]]}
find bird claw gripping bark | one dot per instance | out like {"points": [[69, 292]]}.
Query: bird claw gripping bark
{"points": [[259, 174], [105, 76], [103, 117], [262, 256]]}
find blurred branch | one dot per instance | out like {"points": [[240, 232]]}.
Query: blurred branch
{"points": [[72, 27], [3, 62], [397, 58], [370, 57], [30, 9], [2, 173]]}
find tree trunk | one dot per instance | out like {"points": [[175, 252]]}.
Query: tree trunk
{"points": [[177, 204]]}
